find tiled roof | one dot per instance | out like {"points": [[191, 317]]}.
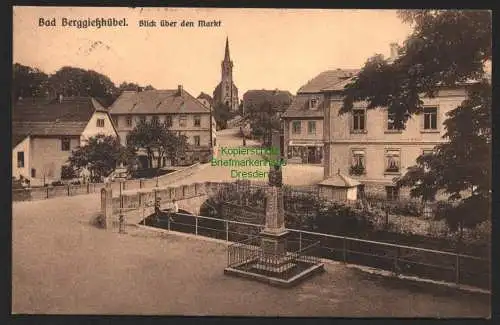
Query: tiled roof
{"points": [[67, 128], [300, 108], [53, 117], [202, 95], [328, 79], [156, 102], [17, 138], [339, 180]]}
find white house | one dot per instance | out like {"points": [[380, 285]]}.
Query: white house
{"points": [[44, 132]]}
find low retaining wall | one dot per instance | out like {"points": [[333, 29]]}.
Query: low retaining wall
{"points": [[42, 193]]}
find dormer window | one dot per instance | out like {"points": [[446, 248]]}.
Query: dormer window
{"points": [[313, 103]]}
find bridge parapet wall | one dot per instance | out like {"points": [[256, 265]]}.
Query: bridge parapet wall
{"points": [[189, 197]]}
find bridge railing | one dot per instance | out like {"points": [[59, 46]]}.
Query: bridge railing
{"points": [[436, 265]]}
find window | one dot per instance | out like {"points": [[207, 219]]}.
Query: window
{"points": [[392, 158], [155, 119], [33, 172], [430, 118], [392, 193], [182, 120], [65, 144], [311, 127], [296, 127], [427, 151], [20, 159], [115, 120], [129, 121], [358, 162], [100, 123], [197, 120], [197, 140], [168, 120], [358, 120], [390, 121], [313, 103], [142, 119]]}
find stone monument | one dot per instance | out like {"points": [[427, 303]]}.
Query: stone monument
{"points": [[271, 262], [273, 237]]}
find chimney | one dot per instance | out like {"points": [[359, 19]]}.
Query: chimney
{"points": [[60, 98], [394, 51], [179, 90]]}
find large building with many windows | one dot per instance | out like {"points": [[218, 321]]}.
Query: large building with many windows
{"points": [[365, 145], [181, 112]]}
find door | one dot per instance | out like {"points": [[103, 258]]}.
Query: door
{"points": [[311, 155], [143, 161]]}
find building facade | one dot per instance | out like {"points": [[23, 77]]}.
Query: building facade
{"points": [[303, 120], [181, 112], [365, 145], [45, 132], [226, 92]]}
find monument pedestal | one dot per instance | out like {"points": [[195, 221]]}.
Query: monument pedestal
{"points": [[273, 242], [271, 262], [274, 258]]}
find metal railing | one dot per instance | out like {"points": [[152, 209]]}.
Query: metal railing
{"points": [[248, 255], [445, 266]]}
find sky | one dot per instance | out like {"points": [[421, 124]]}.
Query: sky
{"points": [[270, 48]]}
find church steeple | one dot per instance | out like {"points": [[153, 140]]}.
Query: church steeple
{"points": [[226, 92], [226, 55]]}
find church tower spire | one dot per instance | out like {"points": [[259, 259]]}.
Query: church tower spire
{"points": [[226, 55], [226, 92]]}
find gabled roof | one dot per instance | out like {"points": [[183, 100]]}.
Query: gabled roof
{"points": [[202, 95], [207, 97], [157, 102], [67, 117], [339, 180], [17, 139], [300, 107], [328, 79]]}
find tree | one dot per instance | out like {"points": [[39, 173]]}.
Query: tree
{"points": [[70, 81], [446, 49], [222, 114], [263, 120], [132, 86], [100, 156], [28, 82], [157, 140]]}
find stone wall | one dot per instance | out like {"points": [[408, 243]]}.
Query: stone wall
{"points": [[41, 193]]}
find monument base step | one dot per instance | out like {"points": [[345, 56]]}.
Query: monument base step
{"points": [[273, 267], [287, 282]]}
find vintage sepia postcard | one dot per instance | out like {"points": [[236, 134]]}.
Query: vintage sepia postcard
{"points": [[251, 162]]}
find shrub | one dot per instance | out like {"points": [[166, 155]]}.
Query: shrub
{"points": [[98, 221], [357, 170]]}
